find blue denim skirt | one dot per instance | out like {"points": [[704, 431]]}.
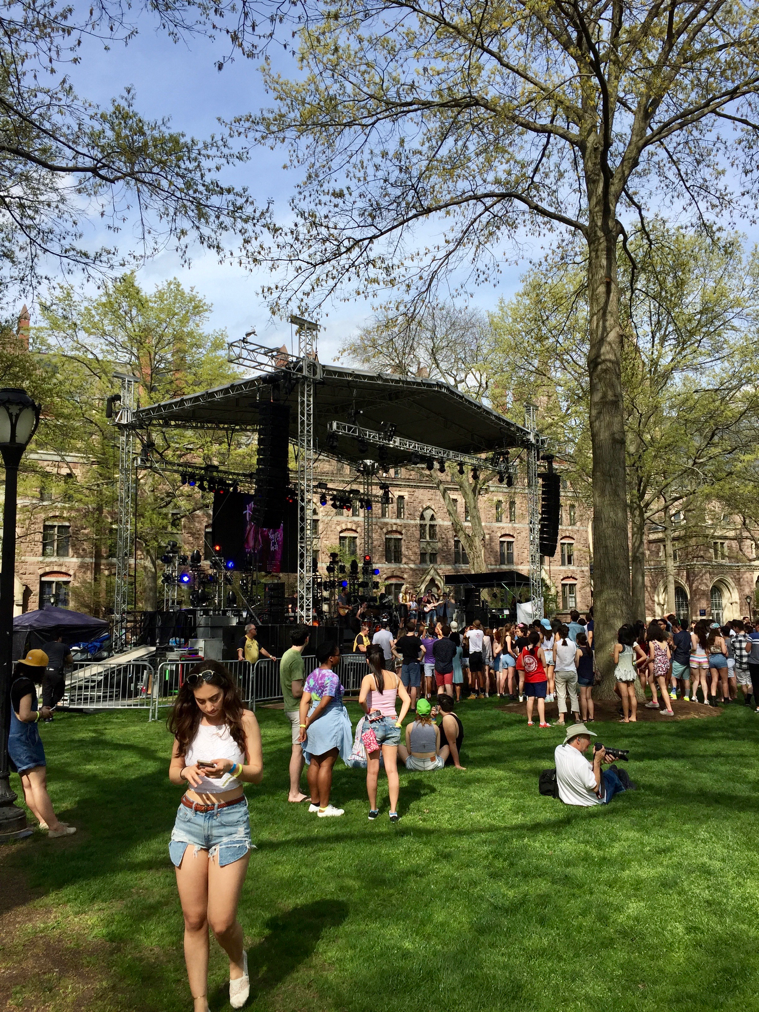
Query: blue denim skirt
{"points": [[224, 833], [25, 745]]}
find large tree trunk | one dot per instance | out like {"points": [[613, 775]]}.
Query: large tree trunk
{"points": [[638, 554], [611, 554]]}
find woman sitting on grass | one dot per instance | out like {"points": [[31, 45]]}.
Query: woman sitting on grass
{"points": [[25, 745], [379, 691], [420, 753], [217, 748]]}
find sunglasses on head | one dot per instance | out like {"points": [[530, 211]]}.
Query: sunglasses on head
{"points": [[198, 677]]}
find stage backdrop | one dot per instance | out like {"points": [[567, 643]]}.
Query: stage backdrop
{"points": [[262, 549]]}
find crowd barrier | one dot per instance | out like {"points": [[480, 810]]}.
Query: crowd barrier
{"points": [[153, 685]]}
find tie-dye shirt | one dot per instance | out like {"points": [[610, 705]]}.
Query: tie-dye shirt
{"points": [[324, 682]]}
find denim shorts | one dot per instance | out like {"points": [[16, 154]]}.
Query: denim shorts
{"points": [[717, 661], [25, 746], [223, 832], [411, 675], [424, 765], [385, 731]]}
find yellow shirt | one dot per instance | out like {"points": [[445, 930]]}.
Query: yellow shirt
{"points": [[252, 650]]}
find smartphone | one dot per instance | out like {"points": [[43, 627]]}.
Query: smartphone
{"points": [[205, 764]]}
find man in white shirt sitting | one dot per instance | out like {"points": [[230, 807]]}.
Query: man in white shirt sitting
{"points": [[581, 782]]}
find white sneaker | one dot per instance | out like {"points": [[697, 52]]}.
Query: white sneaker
{"points": [[652, 706], [313, 808], [63, 831], [330, 811], [239, 988]]}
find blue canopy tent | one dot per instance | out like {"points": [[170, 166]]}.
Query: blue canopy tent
{"points": [[34, 628]]}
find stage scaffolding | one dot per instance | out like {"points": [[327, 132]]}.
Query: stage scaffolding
{"points": [[126, 501], [328, 400]]}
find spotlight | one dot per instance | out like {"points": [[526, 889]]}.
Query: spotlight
{"points": [[191, 482], [376, 572], [184, 578], [509, 480], [354, 568], [230, 564], [231, 599], [195, 558], [332, 440], [202, 485], [415, 458], [441, 466], [500, 478], [322, 500], [217, 548], [344, 583], [475, 474], [461, 468], [368, 559], [368, 504], [429, 463], [341, 569], [183, 478], [182, 560]]}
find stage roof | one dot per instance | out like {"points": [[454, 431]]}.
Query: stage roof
{"points": [[503, 578], [423, 410]]}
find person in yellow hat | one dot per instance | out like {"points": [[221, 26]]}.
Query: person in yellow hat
{"points": [[25, 745]]}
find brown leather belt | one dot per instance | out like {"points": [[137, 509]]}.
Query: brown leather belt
{"points": [[197, 807]]}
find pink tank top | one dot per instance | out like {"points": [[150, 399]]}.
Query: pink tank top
{"points": [[383, 701]]}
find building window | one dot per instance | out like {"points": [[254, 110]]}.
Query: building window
{"points": [[567, 553], [315, 523], [400, 507], [568, 596], [719, 550], [675, 555], [393, 548], [512, 511], [45, 494], [506, 552], [208, 552], [681, 602], [455, 506], [460, 558], [716, 602], [396, 472], [349, 546], [384, 509], [677, 518], [572, 515], [561, 516], [354, 508], [498, 511], [54, 592], [427, 537], [467, 518], [56, 540], [393, 590]]}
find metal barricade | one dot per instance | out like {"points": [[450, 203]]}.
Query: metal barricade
{"points": [[110, 685]]}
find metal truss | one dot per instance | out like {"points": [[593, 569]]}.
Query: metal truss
{"points": [[368, 514], [259, 358], [422, 449], [198, 472], [309, 369], [533, 508], [126, 494]]}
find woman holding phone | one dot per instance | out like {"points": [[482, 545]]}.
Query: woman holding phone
{"points": [[217, 749], [379, 692]]}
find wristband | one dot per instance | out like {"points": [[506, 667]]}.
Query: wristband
{"points": [[302, 725], [36, 716], [398, 724]]}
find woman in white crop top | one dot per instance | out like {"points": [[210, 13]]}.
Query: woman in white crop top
{"points": [[379, 691], [217, 748]]}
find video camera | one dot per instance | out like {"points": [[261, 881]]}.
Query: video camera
{"points": [[622, 754]]}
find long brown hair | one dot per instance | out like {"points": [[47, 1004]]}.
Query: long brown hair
{"points": [[701, 629], [184, 718], [375, 657]]}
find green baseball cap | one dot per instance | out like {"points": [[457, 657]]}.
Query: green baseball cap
{"points": [[423, 706]]}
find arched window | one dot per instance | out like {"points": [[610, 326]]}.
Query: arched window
{"points": [[567, 553], [681, 602], [506, 552], [568, 595], [717, 604], [349, 544], [394, 547], [427, 537]]}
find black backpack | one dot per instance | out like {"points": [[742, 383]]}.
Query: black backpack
{"points": [[547, 783]]}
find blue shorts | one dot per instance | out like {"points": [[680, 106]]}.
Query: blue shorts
{"points": [[385, 731], [536, 689], [411, 675], [224, 833], [717, 661], [586, 682], [25, 746]]}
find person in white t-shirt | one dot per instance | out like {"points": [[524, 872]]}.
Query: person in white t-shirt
{"points": [[580, 782], [384, 638]]}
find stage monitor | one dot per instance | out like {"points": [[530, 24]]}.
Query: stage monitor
{"points": [[246, 544]]}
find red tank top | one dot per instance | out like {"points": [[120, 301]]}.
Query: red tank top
{"points": [[533, 669]]}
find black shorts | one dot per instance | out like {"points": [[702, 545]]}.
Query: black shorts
{"points": [[475, 661]]}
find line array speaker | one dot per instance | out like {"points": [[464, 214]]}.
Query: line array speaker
{"points": [[272, 476], [550, 503]]}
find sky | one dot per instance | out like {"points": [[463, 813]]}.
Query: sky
{"points": [[180, 81]]}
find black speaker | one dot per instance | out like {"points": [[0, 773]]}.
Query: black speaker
{"points": [[229, 526], [272, 475], [550, 504]]}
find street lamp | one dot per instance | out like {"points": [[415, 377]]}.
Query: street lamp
{"points": [[19, 416]]}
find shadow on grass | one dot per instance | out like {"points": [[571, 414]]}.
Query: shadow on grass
{"points": [[291, 939]]}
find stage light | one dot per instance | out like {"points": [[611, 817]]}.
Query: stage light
{"points": [[341, 569], [332, 440], [182, 560], [322, 500], [429, 463], [461, 468], [195, 558], [415, 458], [184, 578], [202, 485], [230, 564], [183, 478], [500, 478], [354, 567], [344, 583], [231, 599], [368, 504], [475, 474], [191, 482], [441, 466], [509, 480], [376, 572], [172, 546], [367, 558], [217, 548], [166, 559]]}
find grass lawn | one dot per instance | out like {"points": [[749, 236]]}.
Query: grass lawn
{"points": [[486, 896]]}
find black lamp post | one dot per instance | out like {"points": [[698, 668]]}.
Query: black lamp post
{"points": [[19, 416]]}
